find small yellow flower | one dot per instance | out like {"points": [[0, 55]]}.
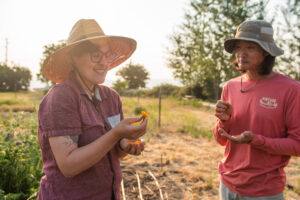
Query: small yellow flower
{"points": [[144, 114]]}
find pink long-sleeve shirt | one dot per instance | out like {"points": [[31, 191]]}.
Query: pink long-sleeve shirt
{"points": [[271, 110]]}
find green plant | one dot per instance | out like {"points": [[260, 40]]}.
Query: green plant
{"points": [[8, 102], [20, 160], [195, 131], [138, 110], [193, 102]]}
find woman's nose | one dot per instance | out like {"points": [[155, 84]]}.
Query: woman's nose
{"points": [[105, 61]]}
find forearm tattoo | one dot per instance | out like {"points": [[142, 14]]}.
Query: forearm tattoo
{"points": [[71, 140]]}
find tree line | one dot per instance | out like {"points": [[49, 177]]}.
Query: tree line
{"points": [[14, 78], [196, 54]]}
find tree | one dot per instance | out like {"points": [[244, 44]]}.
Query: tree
{"points": [[48, 50], [135, 75], [289, 38], [15, 78], [197, 56], [22, 78], [120, 86]]}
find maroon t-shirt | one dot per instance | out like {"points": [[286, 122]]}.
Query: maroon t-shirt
{"points": [[68, 110]]}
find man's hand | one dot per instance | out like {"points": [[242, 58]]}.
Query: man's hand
{"points": [[244, 138], [223, 110]]}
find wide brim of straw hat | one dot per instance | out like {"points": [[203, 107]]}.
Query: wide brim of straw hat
{"points": [[57, 67], [271, 48]]}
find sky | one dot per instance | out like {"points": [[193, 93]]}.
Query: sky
{"points": [[31, 24]]}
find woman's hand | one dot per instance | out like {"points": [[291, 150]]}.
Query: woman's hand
{"points": [[133, 147], [125, 129], [244, 138], [223, 110]]}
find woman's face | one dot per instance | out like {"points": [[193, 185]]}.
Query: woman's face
{"points": [[249, 55], [93, 66]]}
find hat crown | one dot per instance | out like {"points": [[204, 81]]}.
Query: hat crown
{"points": [[258, 31], [83, 29], [255, 29]]}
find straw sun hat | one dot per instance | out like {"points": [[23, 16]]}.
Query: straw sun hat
{"points": [[258, 31], [57, 66]]}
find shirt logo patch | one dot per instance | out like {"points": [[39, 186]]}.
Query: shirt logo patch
{"points": [[114, 120], [267, 102]]}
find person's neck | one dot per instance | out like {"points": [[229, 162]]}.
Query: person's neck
{"points": [[87, 87], [254, 75]]}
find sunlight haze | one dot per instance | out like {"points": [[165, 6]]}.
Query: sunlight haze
{"points": [[29, 25]]}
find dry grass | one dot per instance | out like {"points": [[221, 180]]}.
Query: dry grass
{"points": [[183, 164], [17, 102], [180, 153]]}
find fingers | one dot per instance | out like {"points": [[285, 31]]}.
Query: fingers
{"points": [[221, 106], [243, 138], [125, 129], [248, 136], [140, 130], [219, 115], [132, 120], [223, 110], [225, 134], [135, 148], [221, 103]]}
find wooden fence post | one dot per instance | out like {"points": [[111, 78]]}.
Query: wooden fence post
{"points": [[159, 106]]}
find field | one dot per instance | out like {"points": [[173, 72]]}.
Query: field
{"points": [[180, 160]]}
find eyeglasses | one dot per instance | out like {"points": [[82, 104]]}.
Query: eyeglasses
{"points": [[110, 56]]}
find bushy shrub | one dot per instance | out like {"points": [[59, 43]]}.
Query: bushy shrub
{"points": [[167, 90], [138, 110]]}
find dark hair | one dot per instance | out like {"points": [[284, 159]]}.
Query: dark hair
{"points": [[82, 48], [265, 67]]}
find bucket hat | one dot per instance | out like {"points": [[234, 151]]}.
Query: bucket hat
{"points": [[258, 31], [57, 66]]}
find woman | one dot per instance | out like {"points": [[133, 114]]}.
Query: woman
{"points": [[82, 133], [258, 118]]}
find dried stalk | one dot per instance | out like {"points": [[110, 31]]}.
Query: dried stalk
{"points": [[123, 190], [157, 184], [149, 189], [139, 186], [161, 163]]}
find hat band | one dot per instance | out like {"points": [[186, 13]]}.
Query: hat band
{"points": [[94, 34], [251, 35]]}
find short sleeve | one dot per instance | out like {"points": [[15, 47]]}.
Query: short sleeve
{"points": [[120, 108], [59, 112]]}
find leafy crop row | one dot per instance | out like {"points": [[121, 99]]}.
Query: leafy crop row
{"points": [[20, 160]]}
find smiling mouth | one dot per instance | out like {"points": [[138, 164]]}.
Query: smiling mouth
{"points": [[99, 70]]}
